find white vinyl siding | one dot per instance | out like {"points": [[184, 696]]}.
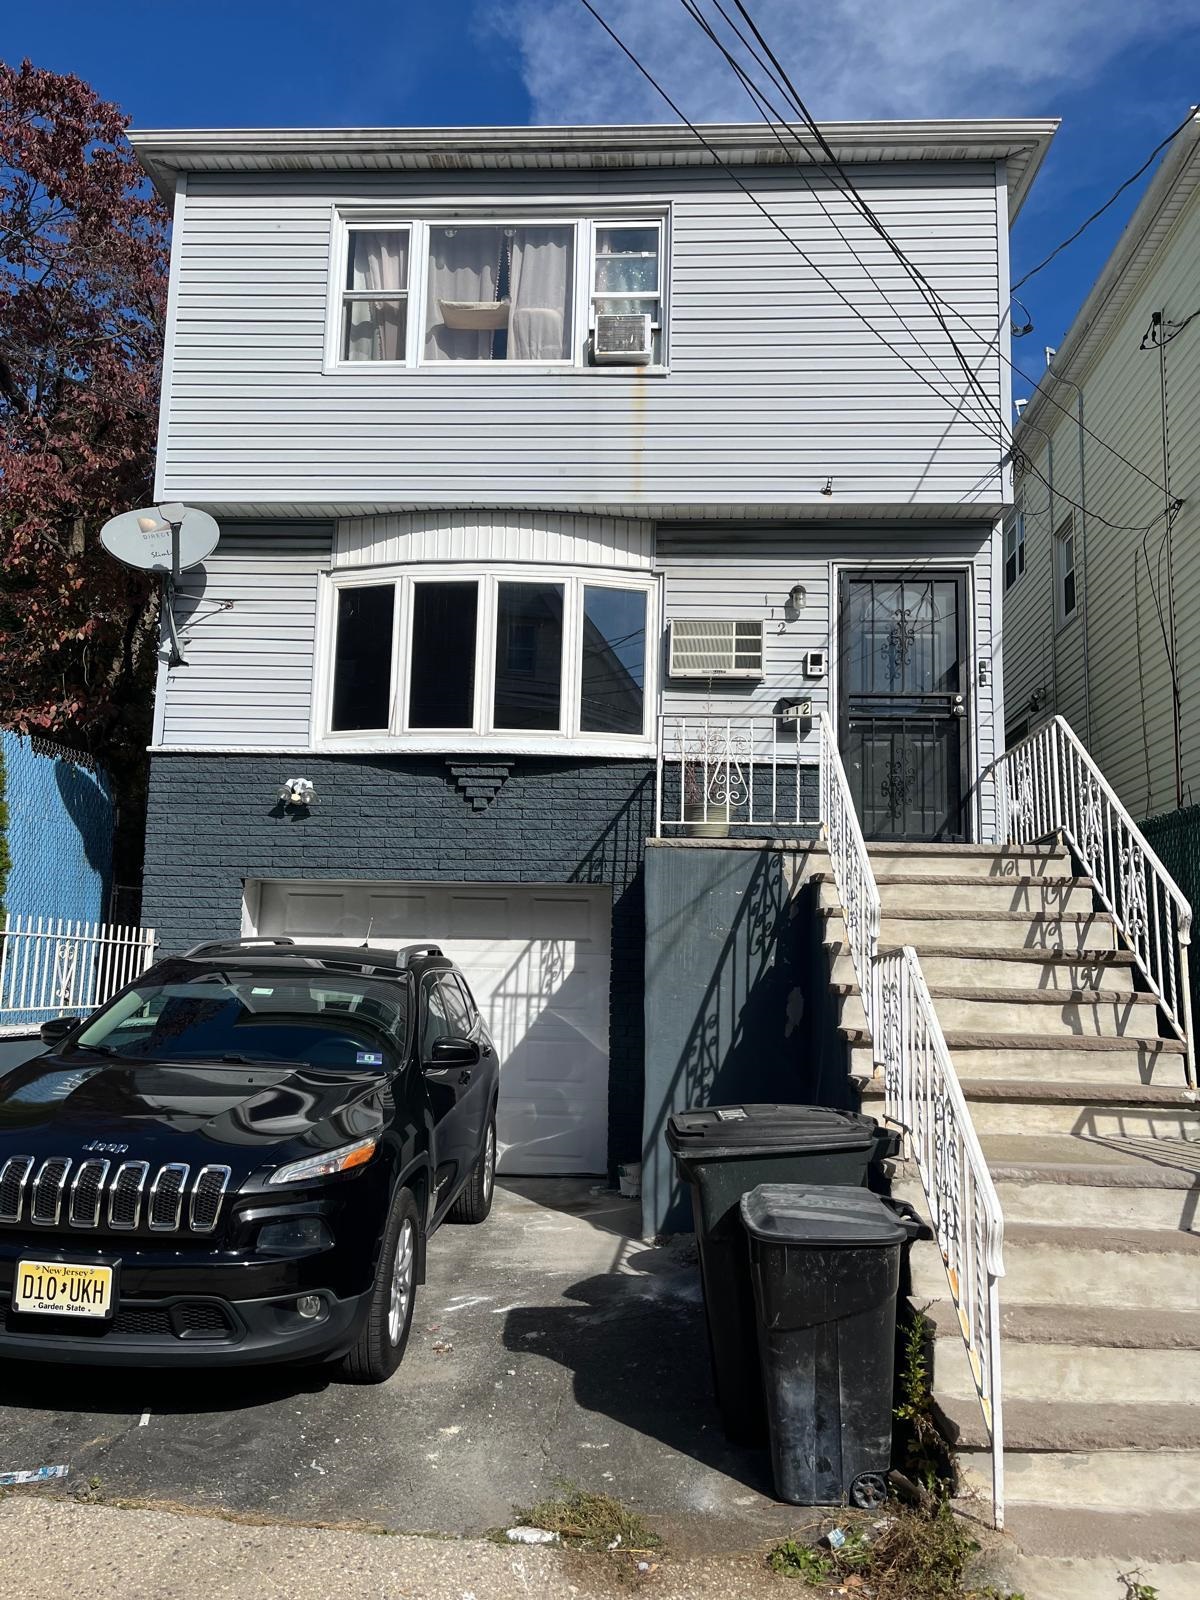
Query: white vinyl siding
{"points": [[1124, 597], [248, 621], [709, 573], [774, 385]]}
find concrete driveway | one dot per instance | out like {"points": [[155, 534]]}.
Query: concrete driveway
{"points": [[550, 1346]]}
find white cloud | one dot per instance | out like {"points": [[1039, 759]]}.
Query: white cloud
{"points": [[848, 58]]}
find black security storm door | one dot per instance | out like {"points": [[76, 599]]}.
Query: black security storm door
{"points": [[902, 693]]}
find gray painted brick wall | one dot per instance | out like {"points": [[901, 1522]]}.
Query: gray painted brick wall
{"points": [[215, 820]]}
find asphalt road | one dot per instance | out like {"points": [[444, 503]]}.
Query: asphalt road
{"points": [[549, 1346]]}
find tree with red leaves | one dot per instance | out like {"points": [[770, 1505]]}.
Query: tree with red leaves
{"points": [[83, 281]]}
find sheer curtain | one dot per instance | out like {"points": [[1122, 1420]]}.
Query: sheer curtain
{"points": [[378, 261], [464, 265], [540, 326]]}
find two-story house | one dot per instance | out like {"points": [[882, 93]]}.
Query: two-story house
{"points": [[484, 414]]}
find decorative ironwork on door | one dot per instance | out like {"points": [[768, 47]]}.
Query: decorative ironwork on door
{"points": [[903, 702]]}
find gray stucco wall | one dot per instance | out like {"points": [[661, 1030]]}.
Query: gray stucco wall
{"points": [[725, 1002], [215, 820]]}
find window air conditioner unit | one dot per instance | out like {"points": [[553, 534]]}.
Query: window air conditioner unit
{"points": [[713, 648], [623, 339]]}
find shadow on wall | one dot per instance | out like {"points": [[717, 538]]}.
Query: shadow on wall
{"points": [[725, 1018], [550, 1027], [88, 804]]}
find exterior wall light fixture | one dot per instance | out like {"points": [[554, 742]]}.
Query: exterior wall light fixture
{"points": [[797, 595], [298, 792]]}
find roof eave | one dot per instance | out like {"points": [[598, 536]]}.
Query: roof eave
{"points": [[1177, 175], [165, 153]]}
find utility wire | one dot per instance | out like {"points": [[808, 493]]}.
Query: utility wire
{"points": [[786, 236], [1112, 199], [775, 121], [783, 82]]}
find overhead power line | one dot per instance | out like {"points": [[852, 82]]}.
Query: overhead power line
{"points": [[774, 121], [835, 288], [783, 83], [1111, 201]]}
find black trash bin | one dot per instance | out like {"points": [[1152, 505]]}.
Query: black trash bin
{"points": [[721, 1153], [825, 1264]]}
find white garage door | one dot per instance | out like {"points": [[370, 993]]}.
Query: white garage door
{"points": [[537, 960]]}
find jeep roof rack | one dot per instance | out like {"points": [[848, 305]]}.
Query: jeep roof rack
{"points": [[211, 945]]}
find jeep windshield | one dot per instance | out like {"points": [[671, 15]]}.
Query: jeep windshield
{"points": [[256, 1017]]}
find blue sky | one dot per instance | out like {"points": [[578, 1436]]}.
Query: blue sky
{"points": [[1120, 73]]}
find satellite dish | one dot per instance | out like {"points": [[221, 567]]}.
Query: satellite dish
{"points": [[167, 539]]}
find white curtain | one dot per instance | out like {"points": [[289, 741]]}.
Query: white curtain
{"points": [[378, 261], [464, 265], [540, 325]]}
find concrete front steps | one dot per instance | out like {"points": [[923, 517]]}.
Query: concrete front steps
{"points": [[1093, 1142]]}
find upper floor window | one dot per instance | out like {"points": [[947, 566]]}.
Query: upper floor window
{"points": [[1014, 549], [1064, 567], [486, 290], [375, 296], [431, 656]]}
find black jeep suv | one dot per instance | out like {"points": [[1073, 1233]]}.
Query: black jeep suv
{"points": [[241, 1159]]}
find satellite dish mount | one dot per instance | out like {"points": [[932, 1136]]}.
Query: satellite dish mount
{"points": [[168, 540]]}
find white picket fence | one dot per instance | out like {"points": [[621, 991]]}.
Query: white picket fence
{"points": [[51, 965]]}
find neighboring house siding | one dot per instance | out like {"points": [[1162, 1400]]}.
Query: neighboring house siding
{"points": [[775, 383], [248, 621], [1126, 718], [707, 575], [60, 832], [214, 821]]}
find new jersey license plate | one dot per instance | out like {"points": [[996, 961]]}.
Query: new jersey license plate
{"points": [[63, 1289]]}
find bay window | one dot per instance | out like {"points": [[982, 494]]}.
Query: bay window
{"points": [[362, 658], [491, 290], [428, 657]]}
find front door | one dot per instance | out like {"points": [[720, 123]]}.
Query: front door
{"points": [[902, 701]]}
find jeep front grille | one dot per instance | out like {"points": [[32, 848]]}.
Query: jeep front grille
{"points": [[92, 1194]]}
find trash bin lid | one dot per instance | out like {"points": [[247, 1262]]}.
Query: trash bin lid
{"points": [[716, 1131], [819, 1215]]}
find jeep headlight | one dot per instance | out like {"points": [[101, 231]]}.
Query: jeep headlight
{"points": [[327, 1164]]}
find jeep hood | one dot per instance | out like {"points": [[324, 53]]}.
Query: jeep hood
{"points": [[245, 1116]]}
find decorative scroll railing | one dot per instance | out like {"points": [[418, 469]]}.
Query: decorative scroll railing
{"points": [[51, 965], [857, 889], [717, 774], [922, 1095], [1048, 784]]}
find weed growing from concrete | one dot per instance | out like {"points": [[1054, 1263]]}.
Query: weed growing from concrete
{"points": [[1135, 1589], [587, 1521], [910, 1554]]}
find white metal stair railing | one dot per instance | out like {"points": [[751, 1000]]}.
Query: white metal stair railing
{"points": [[924, 1099], [1048, 784], [51, 965], [922, 1096]]}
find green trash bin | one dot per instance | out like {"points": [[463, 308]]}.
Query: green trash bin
{"points": [[721, 1153]]}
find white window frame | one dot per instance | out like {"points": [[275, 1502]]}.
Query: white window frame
{"points": [[1064, 533], [1014, 550], [347, 217], [484, 734], [658, 324], [345, 295]]}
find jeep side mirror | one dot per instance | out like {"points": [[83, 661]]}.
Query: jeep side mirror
{"points": [[57, 1029], [454, 1053]]}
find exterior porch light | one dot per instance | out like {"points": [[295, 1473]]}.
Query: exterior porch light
{"points": [[298, 792], [797, 596]]}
